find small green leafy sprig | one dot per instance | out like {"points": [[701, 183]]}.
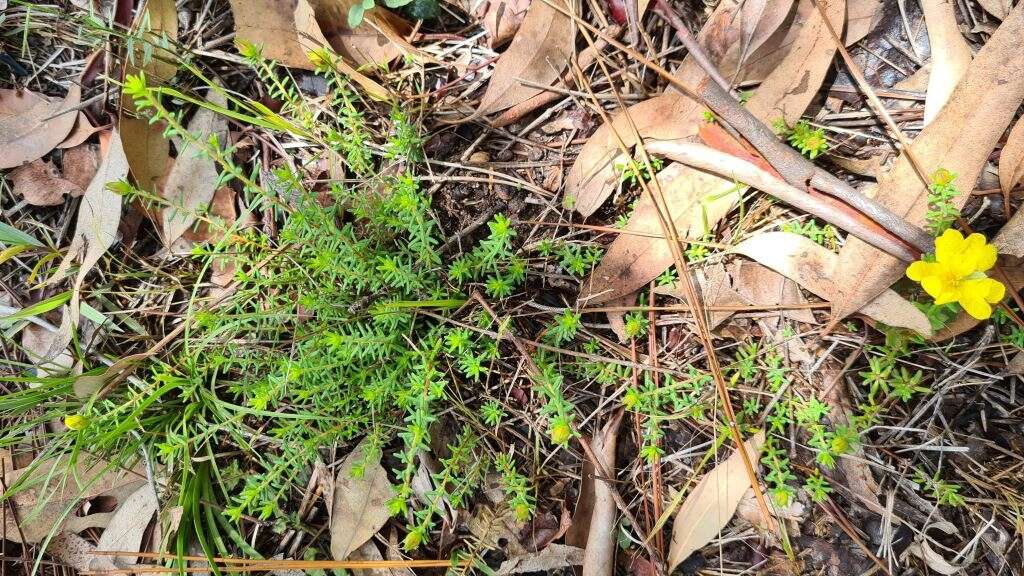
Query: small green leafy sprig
{"points": [[817, 487], [566, 325], [944, 493], [809, 141], [560, 412], [632, 172], [359, 9], [942, 211], [493, 260]]}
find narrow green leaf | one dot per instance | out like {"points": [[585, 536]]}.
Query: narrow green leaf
{"points": [[41, 307], [12, 236]]}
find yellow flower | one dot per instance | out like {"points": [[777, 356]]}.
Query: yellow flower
{"points": [[958, 273], [522, 512], [75, 421], [560, 432]]}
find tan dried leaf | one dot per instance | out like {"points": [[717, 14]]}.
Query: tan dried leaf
{"points": [[789, 89], [40, 184], [594, 174], [376, 41], [98, 216], [697, 200], [501, 19], [538, 55], [715, 289], [370, 552], [288, 31], [1011, 159], [43, 494], [633, 259], [360, 506], [959, 139], [711, 504], [551, 558], [193, 178], [951, 56], [816, 269], [145, 146], [599, 554], [32, 124], [81, 132], [126, 528], [997, 8], [862, 16], [75, 551], [1016, 364], [48, 349], [761, 286]]}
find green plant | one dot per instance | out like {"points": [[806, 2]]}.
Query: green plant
{"points": [[779, 473], [906, 384], [561, 414], [565, 327], [516, 487], [576, 259], [633, 172], [745, 365], [636, 324], [656, 404], [876, 377], [492, 260], [695, 252], [826, 235], [817, 487], [1015, 337], [323, 340], [944, 493], [492, 413], [942, 194], [939, 315], [809, 141], [775, 373], [668, 277]]}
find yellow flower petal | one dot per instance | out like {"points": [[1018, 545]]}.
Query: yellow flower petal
{"points": [[974, 288], [948, 245], [974, 241], [918, 270], [933, 285], [976, 307], [996, 291], [75, 421], [985, 257]]}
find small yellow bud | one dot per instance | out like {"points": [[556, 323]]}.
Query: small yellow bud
{"points": [[560, 433], [75, 421], [522, 512], [840, 445], [413, 539]]}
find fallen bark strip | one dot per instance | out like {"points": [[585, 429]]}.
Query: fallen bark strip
{"points": [[729, 166]]}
